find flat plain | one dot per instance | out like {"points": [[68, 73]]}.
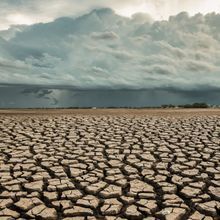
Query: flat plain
{"points": [[110, 164]]}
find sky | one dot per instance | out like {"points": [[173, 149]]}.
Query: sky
{"points": [[66, 45], [31, 11]]}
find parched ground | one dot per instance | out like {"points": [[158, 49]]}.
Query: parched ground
{"points": [[110, 164]]}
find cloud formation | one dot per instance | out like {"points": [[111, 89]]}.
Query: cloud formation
{"points": [[102, 50], [15, 12]]}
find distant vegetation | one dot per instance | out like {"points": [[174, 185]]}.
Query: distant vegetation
{"points": [[194, 105], [170, 106]]}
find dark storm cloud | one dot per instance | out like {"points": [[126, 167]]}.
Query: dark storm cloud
{"points": [[17, 98], [39, 93]]}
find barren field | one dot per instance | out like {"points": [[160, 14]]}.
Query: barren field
{"points": [[110, 164]]}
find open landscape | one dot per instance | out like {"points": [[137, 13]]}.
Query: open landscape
{"points": [[110, 110], [110, 164]]}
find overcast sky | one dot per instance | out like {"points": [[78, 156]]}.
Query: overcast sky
{"points": [[134, 45], [34, 11]]}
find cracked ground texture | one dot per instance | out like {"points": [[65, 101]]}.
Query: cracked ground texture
{"points": [[116, 166]]}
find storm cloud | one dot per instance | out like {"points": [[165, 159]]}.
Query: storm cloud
{"points": [[102, 50]]}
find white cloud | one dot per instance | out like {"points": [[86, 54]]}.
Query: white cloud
{"points": [[28, 12], [104, 50]]}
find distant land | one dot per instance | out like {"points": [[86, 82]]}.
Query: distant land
{"points": [[39, 97]]}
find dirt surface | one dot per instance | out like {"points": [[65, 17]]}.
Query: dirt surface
{"points": [[110, 164], [135, 112]]}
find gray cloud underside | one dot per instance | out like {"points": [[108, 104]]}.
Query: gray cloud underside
{"points": [[104, 50], [24, 96]]}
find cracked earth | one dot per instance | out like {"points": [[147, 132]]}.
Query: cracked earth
{"points": [[109, 167]]}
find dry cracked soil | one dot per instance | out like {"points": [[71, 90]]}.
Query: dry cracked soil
{"points": [[109, 166]]}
